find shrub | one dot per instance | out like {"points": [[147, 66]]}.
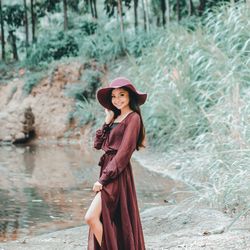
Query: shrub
{"points": [[31, 80], [52, 47], [86, 88]]}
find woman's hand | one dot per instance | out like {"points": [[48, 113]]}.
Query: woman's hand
{"points": [[109, 116], [97, 186]]}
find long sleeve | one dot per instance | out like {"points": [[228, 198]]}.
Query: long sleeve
{"points": [[124, 153], [101, 135]]}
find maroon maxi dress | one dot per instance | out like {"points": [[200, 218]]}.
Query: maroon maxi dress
{"points": [[120, 217]]}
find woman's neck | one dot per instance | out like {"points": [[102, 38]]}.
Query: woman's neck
{"points": [[125, 111]]}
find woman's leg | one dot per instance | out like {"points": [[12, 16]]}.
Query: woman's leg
{"points": [[92, 217]]}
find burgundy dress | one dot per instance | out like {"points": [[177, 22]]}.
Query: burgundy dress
{"points": [[120, 214]]}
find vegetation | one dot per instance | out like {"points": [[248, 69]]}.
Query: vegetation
{"points": [[32, 79], [198, 107], [21, 17]]}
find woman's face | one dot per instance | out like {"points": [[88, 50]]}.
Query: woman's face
{"points": [[120, 98]]}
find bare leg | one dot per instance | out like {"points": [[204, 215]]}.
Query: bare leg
{"points": [[92, 217]]}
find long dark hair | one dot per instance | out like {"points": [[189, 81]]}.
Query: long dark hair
{"points": [[133, 104]]}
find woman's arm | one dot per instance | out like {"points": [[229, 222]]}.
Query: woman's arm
{"points": [[101, 134], [124, 153]]}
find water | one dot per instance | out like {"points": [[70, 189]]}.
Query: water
{"points": [[48, 187]]}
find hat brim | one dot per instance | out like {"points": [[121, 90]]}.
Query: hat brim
{"points": [[104, 96]]}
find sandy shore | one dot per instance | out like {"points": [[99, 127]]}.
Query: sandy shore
{"points": [[172, 226], [165, 227]]}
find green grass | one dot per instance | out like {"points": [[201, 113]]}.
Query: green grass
{"points": [[198, 107]]}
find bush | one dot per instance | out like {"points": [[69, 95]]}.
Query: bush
{"points": [[31, 80], [103, 46], [52, 47], [88, 27], [86, 88]]}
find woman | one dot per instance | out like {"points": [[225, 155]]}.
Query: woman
{"points": [[113, 216]]}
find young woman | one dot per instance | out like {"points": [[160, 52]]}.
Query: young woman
{"points": [[113, 216]]}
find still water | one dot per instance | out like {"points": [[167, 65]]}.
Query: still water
{"points": [[44, 188]]}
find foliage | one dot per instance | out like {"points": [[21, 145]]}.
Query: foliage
{"points": [[103, 46], [13, 15], [52, 47], [136, 45], [84, 93], [88, 27], [42, 8], [198, 106], [86, 88], [5, 72], [85, 112], [111, 5], [31, 80]]}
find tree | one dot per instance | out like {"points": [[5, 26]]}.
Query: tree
{"points": [[14, 17], [135, 14], [163, 10], [73, 4], [121, 22], [2, 31], [145, 15], [26, 24], [191, 9], [33, 20], [168, 11], [93, 3], [65, 14], [178, 10], [201, 7]]}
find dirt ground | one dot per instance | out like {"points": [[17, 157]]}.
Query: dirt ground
{"points": [[170, 226], [165, 227]]}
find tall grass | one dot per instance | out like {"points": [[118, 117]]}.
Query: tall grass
{"points": [[199, 104]]}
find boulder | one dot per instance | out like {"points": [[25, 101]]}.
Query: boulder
{"points": [[17, 124]]}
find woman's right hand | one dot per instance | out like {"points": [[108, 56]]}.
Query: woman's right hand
{"points": [[109, 116]]}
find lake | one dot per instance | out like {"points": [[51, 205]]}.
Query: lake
{"points": [[48, 187]]}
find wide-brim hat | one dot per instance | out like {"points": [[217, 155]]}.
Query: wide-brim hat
{"points": [[104, 94]]}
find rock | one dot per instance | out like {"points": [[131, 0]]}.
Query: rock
{"points": [[17, 124], [20, 136], [8, 138]]}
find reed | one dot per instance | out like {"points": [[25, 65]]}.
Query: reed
{"points": [[198, 107]]}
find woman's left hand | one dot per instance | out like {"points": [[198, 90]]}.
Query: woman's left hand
{"points": [[97, 186]]}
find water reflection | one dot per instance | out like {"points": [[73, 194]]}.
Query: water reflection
{"points": [[48, 187]]}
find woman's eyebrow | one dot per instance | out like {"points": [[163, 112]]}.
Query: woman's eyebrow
{"points": [[121, 92]]}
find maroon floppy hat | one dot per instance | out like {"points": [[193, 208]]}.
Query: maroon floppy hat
{"points": [[103, 94]]}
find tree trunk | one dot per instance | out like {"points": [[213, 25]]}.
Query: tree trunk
{"points": [[2, 32], [191, 9], [168, 11], [135, 14], [163, 10], [26, 24], [95, 9], [144, 16], [178, 10], [65, 14], [92, 8], [33, 20], [119, 2], [147, 16], [201, 7], [13, 44]]}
